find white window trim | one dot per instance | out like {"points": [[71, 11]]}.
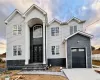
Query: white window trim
{"points": [[55, 50], [17, 50], [73, 29], [55, 31], [17, 30]]}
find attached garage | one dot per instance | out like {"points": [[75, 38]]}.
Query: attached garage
{"points": [[78, 58], [78, 53]]}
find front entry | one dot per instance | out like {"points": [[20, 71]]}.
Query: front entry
{"points": [[36, 44], [37, 54], [78, 58]]}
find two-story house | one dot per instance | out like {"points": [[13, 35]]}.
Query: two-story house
{"points": [[31, 39]]}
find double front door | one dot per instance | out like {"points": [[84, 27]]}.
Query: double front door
{"points": [[37, 53]]}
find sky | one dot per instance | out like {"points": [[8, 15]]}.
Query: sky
{"points": [[63, 10]]}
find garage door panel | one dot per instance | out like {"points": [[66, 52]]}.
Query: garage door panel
{"points": [[78, 58]]}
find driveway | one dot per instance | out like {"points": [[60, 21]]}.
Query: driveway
{"points": [[82, 74]]}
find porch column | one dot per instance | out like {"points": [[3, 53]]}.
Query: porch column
{"points": [[26, 44], [44, 45]]}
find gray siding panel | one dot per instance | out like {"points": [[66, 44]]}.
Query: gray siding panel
{"points": [[84, 42]]}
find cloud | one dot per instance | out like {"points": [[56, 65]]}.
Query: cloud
{"points": [[2, 46], [61, 9]]}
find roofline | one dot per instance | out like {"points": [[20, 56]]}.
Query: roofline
{"points": [[58, 21], [80, 32], [11, 15], [55, 20], [67, 22], [77, 19], [33, 5]]}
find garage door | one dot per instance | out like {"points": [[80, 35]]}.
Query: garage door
{"points": [[78, 58]]}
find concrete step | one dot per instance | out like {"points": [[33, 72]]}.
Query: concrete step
{"points": [[34, 66]]}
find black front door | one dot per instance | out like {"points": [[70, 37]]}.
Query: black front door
{"points": [[37, 53], [78, 58]]}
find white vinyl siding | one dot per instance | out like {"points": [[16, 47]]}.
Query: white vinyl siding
{"points": [[73, 29]]}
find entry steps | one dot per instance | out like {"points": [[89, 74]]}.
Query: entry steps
{"points": [[35, 66]]}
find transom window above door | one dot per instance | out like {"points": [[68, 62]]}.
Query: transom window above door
{"points": [[37, 31]]}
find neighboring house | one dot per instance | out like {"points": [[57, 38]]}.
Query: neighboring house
{"points": [[3, 56], [31, 39], [96, 54]]}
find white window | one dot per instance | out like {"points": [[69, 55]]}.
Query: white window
{"points": [[81, 50], [17, 29], [74, 50], [55, 31], [55, 50], [17, 50], [14, 50], [73, 29]]}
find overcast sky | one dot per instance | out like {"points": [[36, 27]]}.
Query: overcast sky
{"points": [[63, 10]]}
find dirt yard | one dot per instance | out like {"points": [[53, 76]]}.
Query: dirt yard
{"points": [[14, 76], [55, 69], [38, 77]]}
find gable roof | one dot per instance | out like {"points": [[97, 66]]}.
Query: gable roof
{"points": [[55, 20], [67, 22], [76, 19], [79, 32], [42, 11], [23, 15], [34, 6], [12, 15]]}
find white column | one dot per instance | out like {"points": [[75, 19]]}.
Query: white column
{"points": [[66, 53], [44, 60], [26, 44]]}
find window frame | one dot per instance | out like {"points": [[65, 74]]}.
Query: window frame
{"points": [[55, 31], [17, 30], [56, 50], [17, 50], [14, 50], [53, 50], [73, 29]]}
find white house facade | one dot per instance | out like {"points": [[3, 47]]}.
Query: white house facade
{"points": [[31, 39]]}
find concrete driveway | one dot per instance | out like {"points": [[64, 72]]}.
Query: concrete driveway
{"points": [[82, 74]]}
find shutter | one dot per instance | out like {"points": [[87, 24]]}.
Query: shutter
{"points": [[71, 30]]}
